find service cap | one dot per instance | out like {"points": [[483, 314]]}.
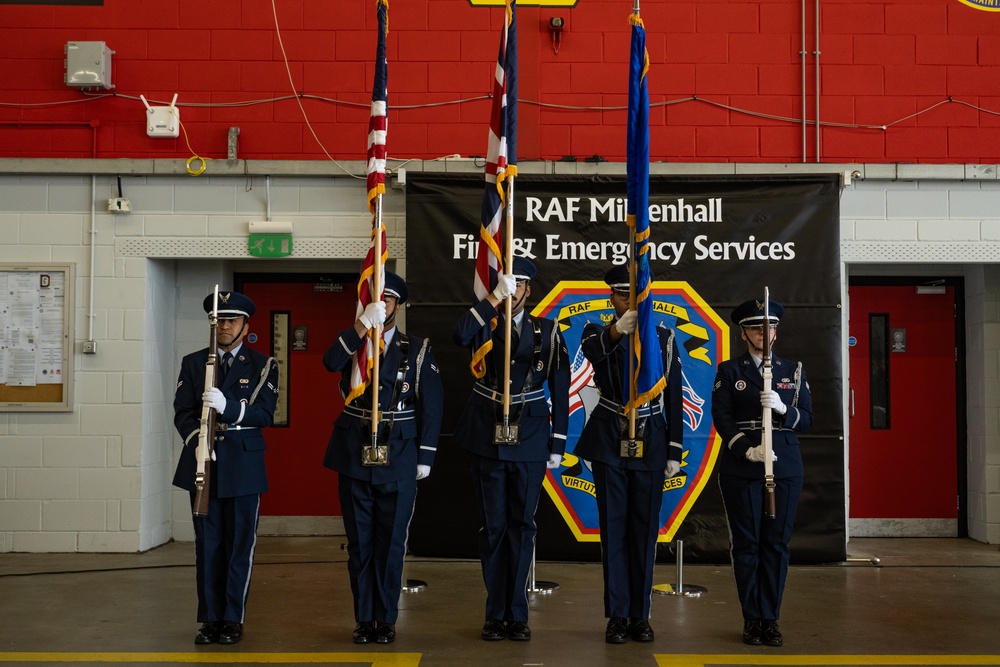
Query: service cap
{"points": [[231, 305], [751, 312], [396, 286]]}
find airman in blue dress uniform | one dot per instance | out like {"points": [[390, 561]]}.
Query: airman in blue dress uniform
{"points": [[629, 489], [244, 400], [377, 500], [508, 477], [758, 544]]}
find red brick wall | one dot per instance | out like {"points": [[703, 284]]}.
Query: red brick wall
{"points": [[882, 61]]}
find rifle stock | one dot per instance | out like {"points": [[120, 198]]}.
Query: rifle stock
{"points": [[765, 417], [206, 429]]}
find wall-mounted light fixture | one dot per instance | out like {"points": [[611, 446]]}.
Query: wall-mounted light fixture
{"points": [[556, 25]]}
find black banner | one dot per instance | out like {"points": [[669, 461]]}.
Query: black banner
{"points": [[717, 241]]}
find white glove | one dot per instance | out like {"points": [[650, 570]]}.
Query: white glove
{"points": [[215, 399], [770, 399], [506, 286], [673, 467], [626, 323], [555, 460], [374, 314], [423, 471], [756, 454]]}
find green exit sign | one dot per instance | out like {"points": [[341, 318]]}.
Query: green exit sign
{"points": [[270, 245]]}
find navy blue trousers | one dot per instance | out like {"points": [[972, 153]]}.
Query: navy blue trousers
{"points": [[507, 492], [224, 543], [628, 508], [376, 519], [759, 545]]}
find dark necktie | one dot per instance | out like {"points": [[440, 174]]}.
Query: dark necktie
{"points": [[227, 361]]}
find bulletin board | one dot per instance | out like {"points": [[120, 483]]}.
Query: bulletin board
{"points": [[36, 317]]}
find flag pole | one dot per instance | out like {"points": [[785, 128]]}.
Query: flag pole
{"points": [[633, 380], [376, 331], [633, 383], [373, 454], [508, 262]]}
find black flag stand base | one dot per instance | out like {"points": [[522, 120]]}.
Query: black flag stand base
{"points": [[540, 587], [873, 560], [411, 585], [680, 588], [414, 585]]}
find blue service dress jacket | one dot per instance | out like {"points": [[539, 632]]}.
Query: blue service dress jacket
{"points": [[416, 407], [664, 427], [251, 391], [736, 412], [540, 436]]}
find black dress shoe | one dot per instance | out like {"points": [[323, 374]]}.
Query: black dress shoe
{"points": [[494, 630], [364, 633], [518, 631], [386, 633], [769, 633], [617, 632], [230, 632], [751, 633], [209, 633], [640, 631]]}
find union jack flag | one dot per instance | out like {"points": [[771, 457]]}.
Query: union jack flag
{"points": [[581, 375], [692, 404], [501, 163], [363, 359]]}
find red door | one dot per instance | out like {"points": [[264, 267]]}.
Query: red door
{"points": [[311, 314], [903, 413]]}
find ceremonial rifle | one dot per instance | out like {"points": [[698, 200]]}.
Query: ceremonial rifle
{"points": [[766, 437], [206, 429]]}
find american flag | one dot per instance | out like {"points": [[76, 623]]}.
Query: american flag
{"points": [[647, 381], [377, 123], [362, 363], [501, 163], [581, 375], [691, 404]]}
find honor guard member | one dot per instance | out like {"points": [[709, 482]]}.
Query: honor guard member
{"points": [[244, 401], [758, 544], [629, 485], [377, 500], [507, 476]]}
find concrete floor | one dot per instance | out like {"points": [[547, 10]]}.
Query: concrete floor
{"points": [[935, 601]]}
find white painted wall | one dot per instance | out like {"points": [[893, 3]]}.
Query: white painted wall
{"points": [[98, 478]]}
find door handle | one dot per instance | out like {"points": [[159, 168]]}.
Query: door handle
{"points": [[852, 403]]}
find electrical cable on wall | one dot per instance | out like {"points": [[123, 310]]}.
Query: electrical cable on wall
{"points": [[194, 156], [545, 105]]}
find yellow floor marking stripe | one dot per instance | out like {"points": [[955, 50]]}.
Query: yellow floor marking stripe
{"points": [[771, 658], [374, 659]]}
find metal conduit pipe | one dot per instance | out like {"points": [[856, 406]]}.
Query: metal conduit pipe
{"points": [[92, 124], [802, 57], [91, 314], [816, 57]]}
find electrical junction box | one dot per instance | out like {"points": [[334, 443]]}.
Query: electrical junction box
{"points": [[88, 65], [163, 121], [119, 205]]}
